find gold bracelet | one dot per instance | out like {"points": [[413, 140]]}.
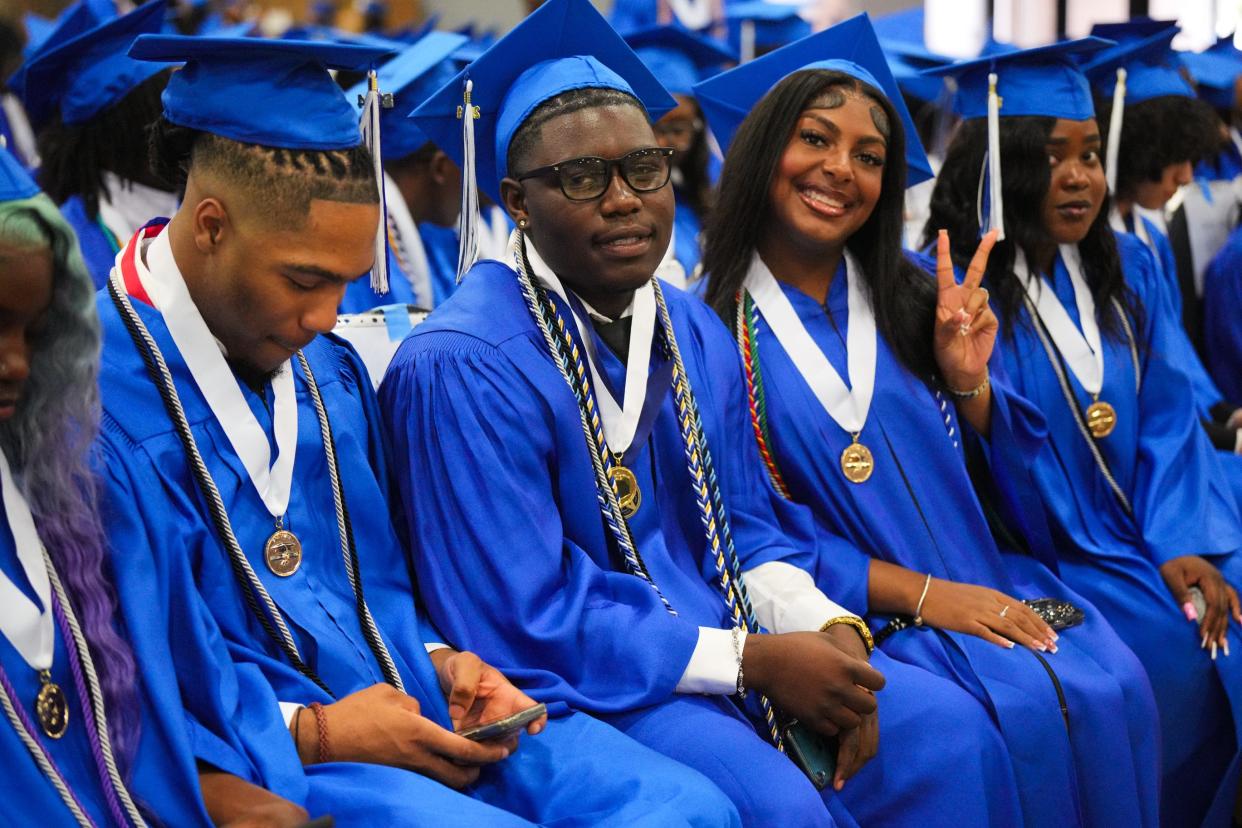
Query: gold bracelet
{"points": [[972, 393], [859, 626]]}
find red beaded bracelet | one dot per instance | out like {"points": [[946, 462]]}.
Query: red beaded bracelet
{"points": [[325, 749]]}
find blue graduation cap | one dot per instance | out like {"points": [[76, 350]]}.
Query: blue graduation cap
{"points": [[902, 27], [411, 77], [908, 62], [755, 24], [1215, 70], [82, 69], [563, 45], [677, 56], [15, 183], [1044, 81], [850, 47], [1128, 31], [277, 93], [38, 30]]}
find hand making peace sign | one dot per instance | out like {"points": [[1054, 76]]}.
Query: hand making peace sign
{"points": [[965, 325]]}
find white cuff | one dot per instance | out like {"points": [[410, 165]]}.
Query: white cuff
{"points": [[785, 599], [431, 648], [287, 710], [1237, 443], [713, 666]]}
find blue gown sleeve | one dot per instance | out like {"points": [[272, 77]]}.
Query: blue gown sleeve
{"points": [[1222, 318], [478, 457], [1178, 478], [195, 675]]}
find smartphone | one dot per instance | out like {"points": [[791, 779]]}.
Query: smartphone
{"points": [[500, 728], [1196, 598]]}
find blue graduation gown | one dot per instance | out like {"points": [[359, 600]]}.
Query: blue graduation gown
{"points": [[98, 249], [686, 229], [163, 780], [1222, 317], [361, 297], [1161, 458], [578, 772], [1105, 773], [529, 577]]}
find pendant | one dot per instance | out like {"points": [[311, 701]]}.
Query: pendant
{"points": [[625, 484], [51, 707], [1101, 419], [283, 553], [856, 462]]}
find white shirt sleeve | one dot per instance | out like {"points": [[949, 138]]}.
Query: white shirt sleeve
{"points": [[712, 670], [785, 599], [432, 647], [287, 709]]}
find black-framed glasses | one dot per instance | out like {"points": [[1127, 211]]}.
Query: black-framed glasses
{"points": [[582, 179]]}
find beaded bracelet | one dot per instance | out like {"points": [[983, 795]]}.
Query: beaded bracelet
{"points": [[972, 393], [737, 651]]}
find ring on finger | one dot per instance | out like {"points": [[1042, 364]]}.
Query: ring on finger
{"points": [[1004, 611]]}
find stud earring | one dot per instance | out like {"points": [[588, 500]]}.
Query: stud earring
{"points": [[522, 223]]}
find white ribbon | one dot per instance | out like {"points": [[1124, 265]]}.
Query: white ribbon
{"points": [[163, 282], [620, 420], [848, 407], [1081, 350], [30, 631]]}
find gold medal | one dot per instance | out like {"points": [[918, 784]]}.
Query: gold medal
{"points": [[625, 484], [857, 462], [1101, 419], [283, 552], [51, 707]]}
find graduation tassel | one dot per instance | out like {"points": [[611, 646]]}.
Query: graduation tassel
{"points": [[468, 221], [372, 103], [746, 50], [996, 207], [1114, 130]]}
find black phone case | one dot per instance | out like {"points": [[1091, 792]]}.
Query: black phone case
{"points": [[815, 755]]}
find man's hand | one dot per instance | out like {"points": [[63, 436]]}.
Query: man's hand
{"points": [[1180, 574], [812, 679], [859, 746], [478, 693], [384, 726], [233, 802]]}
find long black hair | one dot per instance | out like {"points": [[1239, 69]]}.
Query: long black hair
{"points": [[1025, 177], [696, 184], [75, 156], [903, 296]]}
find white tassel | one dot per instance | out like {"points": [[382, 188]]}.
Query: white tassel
{"points": [[370, 126], [996, 217], [468, 221], [1114, 130], [746, 46]]}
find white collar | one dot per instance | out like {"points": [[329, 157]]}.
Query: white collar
{"points": [[129, 205]]}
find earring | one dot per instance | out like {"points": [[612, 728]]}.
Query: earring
{"points": [[522, 223]]}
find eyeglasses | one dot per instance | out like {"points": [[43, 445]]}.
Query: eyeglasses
{"points": [[582, 179]]}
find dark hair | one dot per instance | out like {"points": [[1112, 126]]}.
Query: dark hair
{"points": [[1026, 177], [1155, 133], [420, 157], [75, 156], [696, 185], [283, 179], [903, 296], [527, 137]]}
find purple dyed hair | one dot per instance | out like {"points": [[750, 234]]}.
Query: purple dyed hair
{"points": [[49, 441]]}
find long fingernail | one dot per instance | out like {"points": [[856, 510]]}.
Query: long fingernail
{"points": [[1191, 613], [1213, 651], [1203, 643], [1052, 648], [1009, 644], [1225, 645], [1053, 634], [1042, 646]]}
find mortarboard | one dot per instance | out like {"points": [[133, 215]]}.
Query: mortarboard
{"points": [[850, 47], [1215, 70], [82, 68], [1043, 81], [1127, 31], [277, 93], [677, 56], [1141, 69], [755, 24], [411, 77], [908, 62], [15, 183], [562, 45]]}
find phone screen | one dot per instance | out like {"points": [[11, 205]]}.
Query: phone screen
{"points": [[500, 728]]}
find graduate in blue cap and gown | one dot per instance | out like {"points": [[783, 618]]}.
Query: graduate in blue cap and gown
{"points": [[92, 731], [245, 468], [421, 183], [680, 59], [871, 425], [1155, 129], [621, 461], [90, 105], [1132, 488]]}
